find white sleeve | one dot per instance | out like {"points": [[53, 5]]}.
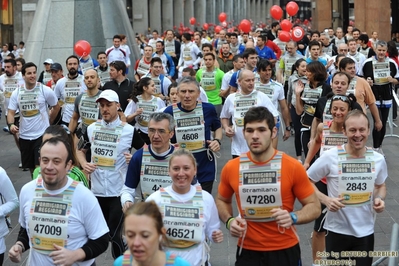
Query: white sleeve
{"points": [[225, 82], [51, 98], [13, 104], [381, 169], [266, 102], [127, 194], [227, 106], [8, 192], [211, 215], [161, 104], [58, 88], [130, 108], [83, 87], [321, 167], [203, 97], [280, 92]]}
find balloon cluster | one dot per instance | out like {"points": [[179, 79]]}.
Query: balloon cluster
{"points": [[287, 33]]}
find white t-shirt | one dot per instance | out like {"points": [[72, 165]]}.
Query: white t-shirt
{"points": [[59, 89], [33, 127], [85, 221], [361, 218], [3, 78], [278, 94], [238, 144], [226, 80], [211, 220], [132, 107], [109, 183], [11, 203]]}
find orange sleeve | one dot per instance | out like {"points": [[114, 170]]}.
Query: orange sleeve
{"points": [[229, 178]]}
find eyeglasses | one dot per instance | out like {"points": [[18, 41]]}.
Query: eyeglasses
{"points": [[159, 131], [342, 98]]}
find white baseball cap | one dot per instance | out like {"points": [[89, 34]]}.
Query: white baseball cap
{"points": [[48, 61], [109, 95]]}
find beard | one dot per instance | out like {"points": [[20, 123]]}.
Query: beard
{"points": [[72, 71]]}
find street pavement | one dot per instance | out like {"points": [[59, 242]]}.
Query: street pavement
{"points": [[223, 254]]}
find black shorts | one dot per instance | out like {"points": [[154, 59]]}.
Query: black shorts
{"points": [[16, 120], [30, 152], [319, 222], [287, 257]]}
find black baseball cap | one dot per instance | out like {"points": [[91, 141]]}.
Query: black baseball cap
{"points": [[56, 66]]}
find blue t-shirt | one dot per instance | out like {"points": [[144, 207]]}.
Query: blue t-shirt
{"points": [[206, 170], [178, 261], [321, 60], [134, 168], [265, 53]]}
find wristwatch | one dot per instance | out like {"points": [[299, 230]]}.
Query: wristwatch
{"points": [[288, 128], [294, 217]]}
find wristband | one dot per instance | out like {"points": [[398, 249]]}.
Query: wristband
{"points": [[9, 126], [21, 245], [379, 197], [228, 222], [218, 140]]}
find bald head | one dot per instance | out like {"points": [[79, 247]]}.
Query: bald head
{"points": [[246, 80], [91, 79]]}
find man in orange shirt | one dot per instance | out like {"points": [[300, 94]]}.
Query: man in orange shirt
{"points": [[266, 183]]}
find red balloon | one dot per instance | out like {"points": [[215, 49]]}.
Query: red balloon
{"points": [[245, 25], [218, 29], [224, 24], [292, 8], [306, 22], [205, 26], [230, 30], [82, 48], [276, 12], [286, 25], [222, 17], [297, 34], [192, 20], [284, 36]]}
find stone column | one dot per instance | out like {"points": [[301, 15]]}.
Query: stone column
{"points": [[154, 9], [210, 11], [188, 12], [322, 14], [263, 12], [178, 11], [167, 15], [258, 16], [370, 17], [200, 12], [140, 16]]}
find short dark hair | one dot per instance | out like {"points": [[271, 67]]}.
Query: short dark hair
{"points": [[263, 37], [11, 55], [259, 114], [100, 53], [155, 31], [21, 60], [155, 60], [71, 56], [21, 42], [364, 38], [346, 61], [315, 32], [12, 61], [210, 54], [249, 51], [355, 29], [233, 34], [236, 57], [119, 65], [274, 24], [187, 36], [207, 45], [263, 64], [189, 70], [161, 42], [318, 70], [27, 65], [314, 43], [117, 36]]}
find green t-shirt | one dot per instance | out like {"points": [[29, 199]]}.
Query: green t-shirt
{"points": [[75, 174], [211, 82]]}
